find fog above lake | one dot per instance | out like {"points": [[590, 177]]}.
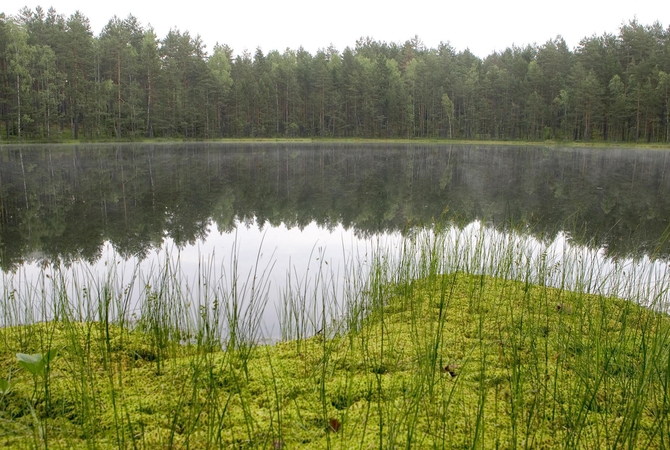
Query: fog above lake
{"points": [[288, 212], [64, 203]]}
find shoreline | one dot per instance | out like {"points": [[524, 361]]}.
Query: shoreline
{"points": [[549, 144]]}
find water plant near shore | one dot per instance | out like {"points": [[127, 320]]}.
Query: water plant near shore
{"points": [[453, 338]]}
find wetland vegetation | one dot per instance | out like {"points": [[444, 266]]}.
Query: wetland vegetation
{"points": [[505, 297], [440, 345], [485, 296]]}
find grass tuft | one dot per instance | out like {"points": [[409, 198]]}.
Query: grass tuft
{"points": [[459, 339]]}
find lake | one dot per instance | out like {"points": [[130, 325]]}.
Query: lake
{"points": [[283, 212]]}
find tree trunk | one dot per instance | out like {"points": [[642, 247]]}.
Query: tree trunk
{"points": [[18, 99], [118, 93]]}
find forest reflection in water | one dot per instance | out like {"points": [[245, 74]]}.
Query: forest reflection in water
{"points": [[91, 205]]}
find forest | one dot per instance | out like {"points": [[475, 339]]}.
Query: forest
{"points": [[59, 81]]}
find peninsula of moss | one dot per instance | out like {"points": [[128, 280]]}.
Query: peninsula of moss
{"points": [[454, 360], [446, 359]]}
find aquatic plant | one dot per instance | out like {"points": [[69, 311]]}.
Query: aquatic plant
{"points": [[450, 337]]}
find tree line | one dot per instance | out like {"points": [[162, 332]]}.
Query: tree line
{"points": [[60, 81]]}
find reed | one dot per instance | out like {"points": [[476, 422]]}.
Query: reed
{"points": [[449, 337]]}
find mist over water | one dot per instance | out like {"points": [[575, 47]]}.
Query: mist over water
{"points": [[297, 210]]}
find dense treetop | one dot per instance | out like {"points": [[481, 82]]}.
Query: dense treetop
{"points": [[58, 81]]}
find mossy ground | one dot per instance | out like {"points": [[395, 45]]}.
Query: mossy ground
{"points": [[453, 361]]}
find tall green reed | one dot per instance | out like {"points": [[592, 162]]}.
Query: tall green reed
{"points": [[500, 347]]}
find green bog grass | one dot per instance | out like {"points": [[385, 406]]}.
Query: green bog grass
{"points": [[424, 358]]}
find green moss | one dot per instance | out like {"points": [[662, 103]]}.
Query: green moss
{"points": [[457, 360]]}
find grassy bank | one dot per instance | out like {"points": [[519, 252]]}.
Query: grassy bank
{"points": [[424, 355]]}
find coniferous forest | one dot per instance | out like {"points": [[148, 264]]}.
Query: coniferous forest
{"points": [[58, 80]]}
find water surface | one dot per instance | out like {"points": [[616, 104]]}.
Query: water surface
{"points": [[294, 206]]}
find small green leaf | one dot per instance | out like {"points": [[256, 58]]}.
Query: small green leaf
{"points": [[32, 363], [29, 359], [51, 356], [5, 386]]}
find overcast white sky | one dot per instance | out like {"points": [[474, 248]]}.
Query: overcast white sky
{"points": [[480, 25]]}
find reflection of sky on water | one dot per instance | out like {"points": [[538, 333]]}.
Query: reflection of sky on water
{"points": [[327, 255], [559, 263], [273, 252]]}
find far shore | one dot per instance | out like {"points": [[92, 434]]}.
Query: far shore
{"points": [[432, 141]]}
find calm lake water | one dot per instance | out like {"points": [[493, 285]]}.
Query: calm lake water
{"points": [[291, 208]]}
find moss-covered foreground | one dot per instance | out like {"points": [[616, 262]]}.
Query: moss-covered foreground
{"points": [[452, 362]]}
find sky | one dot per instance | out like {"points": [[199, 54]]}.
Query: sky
{"points": [[482, 26]]}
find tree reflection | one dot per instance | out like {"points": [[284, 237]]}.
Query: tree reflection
{"points": [[63, 203]]}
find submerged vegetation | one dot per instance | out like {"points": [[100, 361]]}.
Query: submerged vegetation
{"points": [[59, 81], [448, 342]]}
